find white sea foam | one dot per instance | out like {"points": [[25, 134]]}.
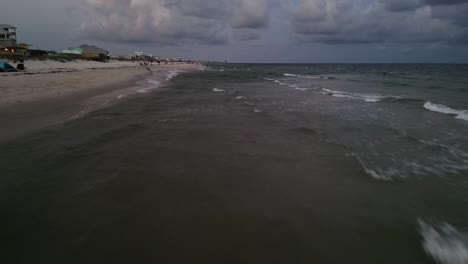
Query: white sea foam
{"points": [[172, 73], [309, 76], [444, 243], [377, 173], [301, 89], [301, 76], [281, 83], [146, 90], [155, 84], [382, 175], [240, 97], [440, 108], [289, 85], [439, 161], [217, 90], [369, 98], [80, 114], [291, 75], [463, 116]]}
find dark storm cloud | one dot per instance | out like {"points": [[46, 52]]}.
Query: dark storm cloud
{"points": [[458, 16], [401, 5], [170, 22], [250, 14], [411, 5], [179, 22], [444, 2], [330, 30], [384, 21], [246, 35]]}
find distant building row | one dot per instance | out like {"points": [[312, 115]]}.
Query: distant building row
{"points": [[9, 46], [88, 52]]}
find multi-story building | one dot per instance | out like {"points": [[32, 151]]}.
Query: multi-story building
{"points": [[7, 36]]}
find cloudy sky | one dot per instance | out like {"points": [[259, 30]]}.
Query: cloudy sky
{"points": [[251, 30]]}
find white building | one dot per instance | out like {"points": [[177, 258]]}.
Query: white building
{"points": [[7, 36], [139, 54]]}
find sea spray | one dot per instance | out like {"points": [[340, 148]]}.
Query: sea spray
{"points": [[444, 243]]}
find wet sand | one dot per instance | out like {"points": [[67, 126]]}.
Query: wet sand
{"points": [[34, 101]]}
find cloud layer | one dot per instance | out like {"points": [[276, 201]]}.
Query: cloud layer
{"points": [[381, 21], [170, 22]]}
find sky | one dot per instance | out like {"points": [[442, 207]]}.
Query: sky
{"points": [[295, 31]]}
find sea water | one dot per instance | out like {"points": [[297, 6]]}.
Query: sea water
{"points": [[252, 163]]}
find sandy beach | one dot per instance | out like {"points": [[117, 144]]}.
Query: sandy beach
{"points": [[51, 92]]}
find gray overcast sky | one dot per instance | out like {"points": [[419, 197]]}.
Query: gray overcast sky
{"points": [[251, 30]]}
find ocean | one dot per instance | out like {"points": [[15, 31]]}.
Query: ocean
{"points": [[250, 163]]}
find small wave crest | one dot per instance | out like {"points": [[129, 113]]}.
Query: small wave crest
{"points": [[279, 82], [444, 243], [172, 73], [403, 100], [309, 76], [389, 174], [145, 90], [155, 84], [390, 73], [217, 90], [440, 108], [369, 98], [301, 89], [379, 159], [301, 76]]}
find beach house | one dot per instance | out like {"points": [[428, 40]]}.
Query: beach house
{"points": [[7, 38], [91, 52]]}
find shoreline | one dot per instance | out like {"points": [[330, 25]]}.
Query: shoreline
{"points": [[32, 102]]}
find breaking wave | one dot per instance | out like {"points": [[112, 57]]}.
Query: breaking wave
{"points": [[172, 73], [155, 84], [369, 98], [440, 108], [388, 174], [309, 76]]}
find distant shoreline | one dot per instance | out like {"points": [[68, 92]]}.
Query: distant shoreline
{"points": [[50, 96]]}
